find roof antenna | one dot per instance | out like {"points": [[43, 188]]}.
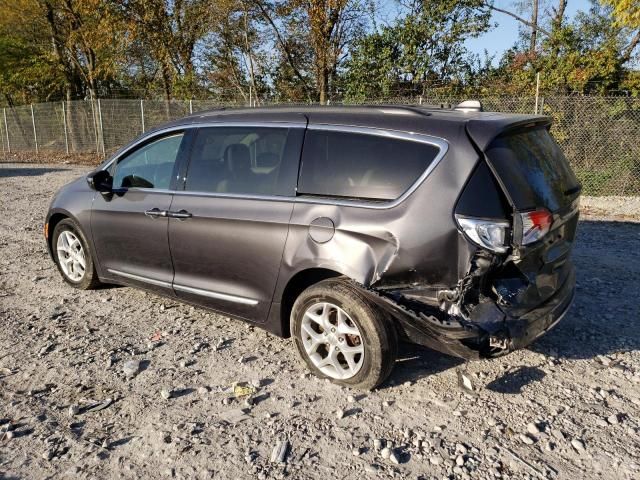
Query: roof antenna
{"points": [[469, 106]]}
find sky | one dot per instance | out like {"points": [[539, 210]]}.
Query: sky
{"points": [[505, 34]]}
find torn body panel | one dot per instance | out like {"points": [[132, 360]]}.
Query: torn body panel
{"points": [[499, 305], [362, 254]]}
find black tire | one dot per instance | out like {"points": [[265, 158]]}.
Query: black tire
{"points": [[378, 335], [90, 279]]}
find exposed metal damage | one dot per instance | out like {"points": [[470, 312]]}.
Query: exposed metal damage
{"points": [[479, 317]]}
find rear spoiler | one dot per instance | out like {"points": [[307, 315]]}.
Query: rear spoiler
{"points": [[484, 130]]}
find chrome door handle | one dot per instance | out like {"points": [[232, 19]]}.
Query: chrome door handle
{"points": [[182, 214], [156, 212]]}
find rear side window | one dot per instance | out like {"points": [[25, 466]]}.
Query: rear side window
{"points": [[244, 160], [354, 165], [533, 169]]}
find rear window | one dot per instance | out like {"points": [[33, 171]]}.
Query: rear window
{"points": [[533, 169], [353, 165]]}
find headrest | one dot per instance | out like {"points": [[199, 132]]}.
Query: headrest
{"points": [[237, 158]]}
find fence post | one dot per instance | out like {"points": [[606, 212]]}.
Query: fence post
{"points": [[542, 105], [33, 122], [537, 91], [4, 150], [95, 126], [142, 113], [6, 129], [64, 121], [190, 106], [101, 129]]}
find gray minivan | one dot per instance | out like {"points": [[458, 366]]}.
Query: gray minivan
{"points": [[347, 228]]}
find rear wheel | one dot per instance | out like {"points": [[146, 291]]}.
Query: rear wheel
{"points": [[343, 336], [72, 256]]}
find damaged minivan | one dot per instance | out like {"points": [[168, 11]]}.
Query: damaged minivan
{"points": [[350, 229]]}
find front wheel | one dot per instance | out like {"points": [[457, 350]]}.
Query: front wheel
{"points": [[72, 256], [343, 336]]}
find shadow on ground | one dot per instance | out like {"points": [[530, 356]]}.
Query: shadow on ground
{"points": [[604, 317], [415, 362], [6, 172], [514, 380]]}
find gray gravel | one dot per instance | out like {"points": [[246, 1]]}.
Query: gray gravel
{"points": [[69, 408]]}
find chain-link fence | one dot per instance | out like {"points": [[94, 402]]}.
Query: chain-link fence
{"points": [[599, 135]]}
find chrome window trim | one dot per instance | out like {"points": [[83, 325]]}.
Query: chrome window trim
{"points": [[237, 196], [216, 295], [140, 278], [162, 191], [438, 142], [153, 133]]}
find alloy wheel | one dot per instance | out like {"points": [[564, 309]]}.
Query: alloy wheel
{"points": [[332, 341], [71, 257]]}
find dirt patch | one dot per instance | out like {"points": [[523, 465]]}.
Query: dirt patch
{"points": [[623, 208], [74, 405], [59, 158]]}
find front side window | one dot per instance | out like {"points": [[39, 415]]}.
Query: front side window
{"points": [[150, 166], [354, 165], [242, 160]]}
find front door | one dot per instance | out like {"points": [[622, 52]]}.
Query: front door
{"points": [[130, 225], [236, 205]]}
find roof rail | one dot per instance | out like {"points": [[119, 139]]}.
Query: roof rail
{"points": [[469, 106], [209, 111], [417, 109]]}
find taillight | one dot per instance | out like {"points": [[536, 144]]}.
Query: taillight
{"points": [[490, 234], [535, 225]]}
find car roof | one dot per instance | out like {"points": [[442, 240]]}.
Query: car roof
{"points": [[428, 120]]}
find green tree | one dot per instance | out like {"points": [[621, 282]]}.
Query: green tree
{"points": [[586, 55], [423, 49], [28, 70], [627, 12]]}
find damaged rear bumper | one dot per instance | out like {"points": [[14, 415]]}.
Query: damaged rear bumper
{"points": [[462, 338]]}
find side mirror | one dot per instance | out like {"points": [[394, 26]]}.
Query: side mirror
{"points": [[101, 181]]}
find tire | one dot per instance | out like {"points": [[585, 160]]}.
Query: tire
{"points": [[319, 345], [70, 231]]}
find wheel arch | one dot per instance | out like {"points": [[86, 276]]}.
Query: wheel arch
{"points": [[52, 221], [295, 286], [54, 217]]}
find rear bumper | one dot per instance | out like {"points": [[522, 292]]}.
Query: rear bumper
{"points": [[469, 340], [536, 323]]}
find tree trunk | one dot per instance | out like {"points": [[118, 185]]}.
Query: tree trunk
{"points": [[556, 24], [72, 130], [248, 48], [166, 82], [323, 81], [534, 26]]}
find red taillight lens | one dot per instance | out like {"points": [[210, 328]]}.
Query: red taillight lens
{"points": [[535, 225]]}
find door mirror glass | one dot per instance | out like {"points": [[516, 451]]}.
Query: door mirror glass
{"points": [[101, 181]]}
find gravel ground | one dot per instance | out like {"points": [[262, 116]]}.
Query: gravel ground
{"points": [[73, 406]]}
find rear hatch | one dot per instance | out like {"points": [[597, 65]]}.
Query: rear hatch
{"points": [[544, 194]]}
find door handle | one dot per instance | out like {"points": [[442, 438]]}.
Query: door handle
{"points": [[156, 212], [182, 214]]}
